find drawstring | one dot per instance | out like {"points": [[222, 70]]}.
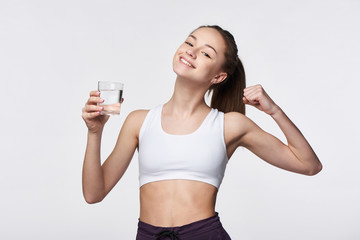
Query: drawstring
{"points": [[167, 233]]}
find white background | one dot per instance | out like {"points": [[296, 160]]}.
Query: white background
{"points": [[52, 53]]}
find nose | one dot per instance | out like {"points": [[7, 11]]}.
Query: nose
{"points": [[191, 53]]}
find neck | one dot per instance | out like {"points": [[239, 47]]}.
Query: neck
{"points": [[187, 97]]}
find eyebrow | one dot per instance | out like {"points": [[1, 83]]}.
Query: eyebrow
{"points": [[207, 45]]}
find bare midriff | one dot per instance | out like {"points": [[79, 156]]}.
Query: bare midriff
{"points": [[171, 203]]}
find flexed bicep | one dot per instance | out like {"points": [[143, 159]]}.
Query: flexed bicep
{"points": [[270, 149]]}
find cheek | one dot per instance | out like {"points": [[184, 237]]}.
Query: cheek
{"points": [[175, 56], [177, 68], [218, 66], [211, 68], [175, 61], [178, 51]]}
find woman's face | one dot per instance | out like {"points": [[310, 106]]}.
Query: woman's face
{"points": [[201, 57]]}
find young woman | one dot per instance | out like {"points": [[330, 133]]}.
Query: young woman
{"points": [[184, 145]]}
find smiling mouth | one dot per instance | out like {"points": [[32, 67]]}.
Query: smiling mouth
{"points": [[186, 62]]}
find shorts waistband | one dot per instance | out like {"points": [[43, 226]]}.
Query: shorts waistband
{"points": [[198, 227]]}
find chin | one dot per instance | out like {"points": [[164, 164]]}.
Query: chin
{"points": [[181, 72]]}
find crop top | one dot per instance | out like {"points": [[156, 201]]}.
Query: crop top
{"points": [[200, 155]]}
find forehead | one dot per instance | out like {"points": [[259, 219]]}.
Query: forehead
{"points": [[211, 37]]}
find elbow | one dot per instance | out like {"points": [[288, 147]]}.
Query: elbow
{"points": [[314, 169], [91, 199]]}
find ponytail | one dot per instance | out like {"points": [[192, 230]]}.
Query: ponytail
{"points": [[227, 96]]}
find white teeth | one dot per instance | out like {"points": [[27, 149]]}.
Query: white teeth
{"points": [[186, 62]]}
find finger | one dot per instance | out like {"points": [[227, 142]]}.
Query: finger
{"points": [[253, 98], [245, 100], [95, 100], [253, 88], [248, 89], [93, 115], [250, 92], [250, 102], [122, 100], [93, 108], [94, 93], [88, 116]]}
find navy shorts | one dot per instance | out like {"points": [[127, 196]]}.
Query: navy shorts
{"points": [[206, 229]]}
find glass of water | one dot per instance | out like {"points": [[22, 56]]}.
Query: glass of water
{"points": [[111, 92]]}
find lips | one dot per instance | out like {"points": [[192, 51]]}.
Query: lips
{"points": [[186, 62]]}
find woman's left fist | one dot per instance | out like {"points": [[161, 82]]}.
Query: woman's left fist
{"points": [[257, 97]]}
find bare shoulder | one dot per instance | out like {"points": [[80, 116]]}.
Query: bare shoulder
{"points": [[236, 125], [236, 121], [138, 115], [135, 119]]}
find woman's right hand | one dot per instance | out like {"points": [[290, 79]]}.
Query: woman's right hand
{"points": [[91, 113]]}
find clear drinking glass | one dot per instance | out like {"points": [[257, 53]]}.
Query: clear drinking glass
{"points": [[111, 92]]}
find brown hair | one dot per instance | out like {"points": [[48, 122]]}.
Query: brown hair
{"points": [[227, 96]]}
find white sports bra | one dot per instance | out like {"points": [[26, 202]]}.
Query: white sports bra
{"points": [[199, 156]]}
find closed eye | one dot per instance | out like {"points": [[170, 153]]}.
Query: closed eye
{"points": [[190, 44], [205, 54]]}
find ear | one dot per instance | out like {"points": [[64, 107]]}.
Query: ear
{"points": [[219, 78]]}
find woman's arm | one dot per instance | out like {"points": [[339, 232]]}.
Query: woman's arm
{"points": [[296, 156], [92, 175], [99, 180], [297, 143]]}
